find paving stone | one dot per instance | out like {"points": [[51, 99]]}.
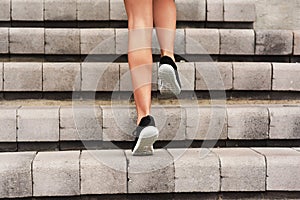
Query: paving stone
{"points": [[1, 75], [15, 174], [22, 76], [93, 10], [97, 41], [196, 170], [202, 41], [252, 76], [239, 10], [5, 10], [242, 169], [28, 10], [274, 42], [62, 41], [284, 122], [99, 76], [237, 41], [26, 40], [80, 123], [153, 174], [61, 76], [296, 42], [186, 73], [4, 40], [8, 124], [282, 168], [60, 10], [103, 172], [117, 10], [214, 76], [286, 77], [206, 123], [215, 10], [38, 124], [121, 41], [247, 123], [56, 173], [191, 10]]}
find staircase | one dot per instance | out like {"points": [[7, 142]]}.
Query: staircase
{"points": [[67, 112]]}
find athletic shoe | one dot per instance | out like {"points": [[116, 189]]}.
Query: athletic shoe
{"points": [[169, 82], [146, 134]]}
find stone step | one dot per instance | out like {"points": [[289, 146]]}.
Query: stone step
{"points": [[171, 171], [105, 10], [114, 77], [113, 41]]}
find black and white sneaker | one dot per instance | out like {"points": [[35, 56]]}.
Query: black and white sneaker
{"points": [[146, 134], [169, 82]]}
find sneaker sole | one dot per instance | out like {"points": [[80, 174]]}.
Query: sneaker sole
{"points": [[144, 145], [167, 75]]}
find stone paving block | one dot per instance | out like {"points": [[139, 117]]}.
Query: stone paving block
{"points": [[286, 77], [8, 124], [215, 10], [99, 76], [191, 10], [274, 42], [61, 76], [248, 122], [239, 10], [282, 168], [1, 75], [26, 40], [5, 10], [202, 41], [252, 76], [284, 122], [121, 41], [4, 40], [80, 123], [56, 173], [15, 174], [97, 41], [117, 10], [297, 42], [27, 10], [186, 73], [60, 10], [237, 41], [62, 41], [23, 76], [38, 124], [206, 123], [196, 170], [93, 10], [153, 174], [242, 169], [214, 76], [103, 172]]}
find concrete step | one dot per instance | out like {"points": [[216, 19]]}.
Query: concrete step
{"points": [[169, 171]]}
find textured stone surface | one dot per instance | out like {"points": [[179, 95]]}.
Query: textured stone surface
{"points": [[97, 41], [80, 123], [214, 76], [56, 173], [98, 76], [247, 122], [274, 42], [282, 168], [286, 76], [26, 40], [8, 124], [38, 124], [215, 9], [15, 174], [4, 40], [121, 41], [62, 41], [296, 42], [242, 169], [237, 41], [103, 172], [5, 10], [252, 76], [117, 10], [60, 10], [191, 10], [202, 41], [153, 174], [239, 10], [93, 9], [28, 10], [1, 76], [61, 76], [284, 122], [186, 73], [206, 123], [196, 170], [22, 76]]}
